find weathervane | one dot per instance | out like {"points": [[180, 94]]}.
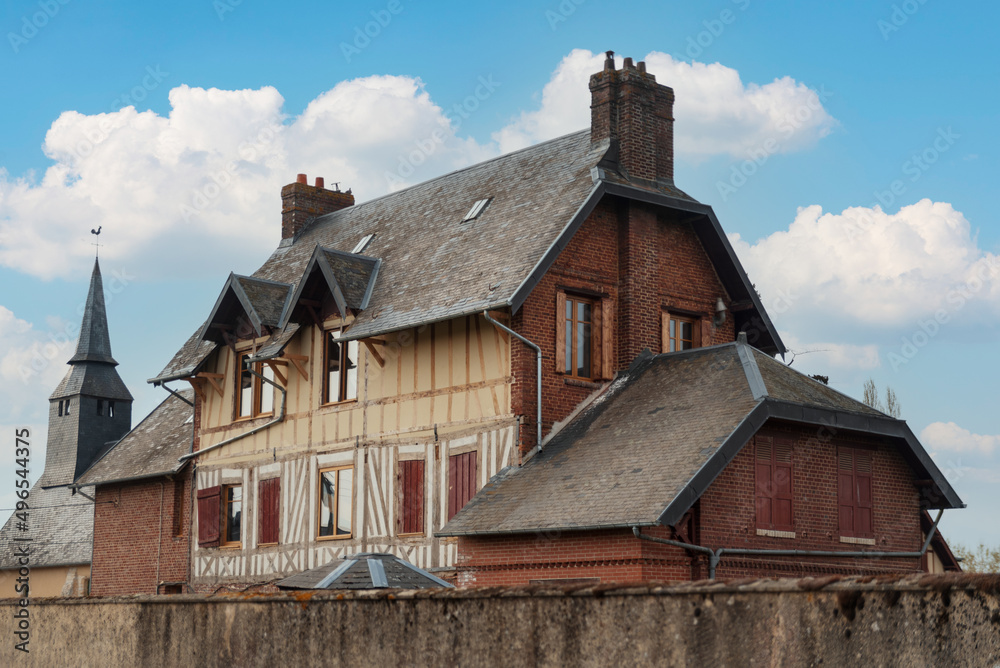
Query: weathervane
{"points": [[97, 246]]}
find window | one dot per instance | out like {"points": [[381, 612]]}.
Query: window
{"points": [[60, 408], [336, 489], [774, 484], [854, 492], [363, 243], [461, 481], [209, 516], [267, 511], [66, 412], [584, 337], [100, 406], [232, 517], [254, 397], [341, 362], [411, 497], [680, 333], [476, 209], [111, 409]]}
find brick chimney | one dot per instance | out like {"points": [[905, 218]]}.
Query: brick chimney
{"points": [[301, 202], [628, 105]]}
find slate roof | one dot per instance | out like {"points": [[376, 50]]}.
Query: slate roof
{"points": [[152, 448], [435, 267], [60, 525], [367, 570], [644, 451], [93, 379]]}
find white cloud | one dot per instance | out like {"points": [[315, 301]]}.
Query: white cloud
{"points": [[716, 113], [199, 188], [949, 437], [874, 267]]}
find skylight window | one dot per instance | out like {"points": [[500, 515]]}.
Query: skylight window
{"points": [[363, 243], [476, 209]]}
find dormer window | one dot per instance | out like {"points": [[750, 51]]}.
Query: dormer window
{"points": [[476, 209]]}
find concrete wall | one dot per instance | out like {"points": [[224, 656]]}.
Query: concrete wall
{"points": [[925, 621]]}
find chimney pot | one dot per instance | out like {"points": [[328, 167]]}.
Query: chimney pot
{"points": [[301, 179], [642, 66], [609, 61], [319, 182], [628, 64]]}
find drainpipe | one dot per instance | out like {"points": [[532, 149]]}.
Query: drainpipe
{"points": [[278, 418], [538, 356], [715, 556]]}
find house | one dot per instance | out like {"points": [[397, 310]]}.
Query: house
{"points": [[485, 337], [89, 410]]}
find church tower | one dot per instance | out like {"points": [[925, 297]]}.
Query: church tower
{"points": [[91, 409]]}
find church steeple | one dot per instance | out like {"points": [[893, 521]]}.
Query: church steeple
{"points": [[95, 342], [91, 409]]}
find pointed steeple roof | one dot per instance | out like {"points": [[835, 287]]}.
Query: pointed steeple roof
{"points": [[95, 343]]}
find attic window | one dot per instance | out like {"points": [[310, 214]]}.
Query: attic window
{"points": [[363, 243], [476, 209]]}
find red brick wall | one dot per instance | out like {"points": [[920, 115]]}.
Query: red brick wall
{"points": [[134, 543], [645, 264], [726, 515], [611, 556]]}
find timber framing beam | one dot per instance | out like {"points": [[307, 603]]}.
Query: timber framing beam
{"points": [[299, 361], [274, 364], [375, 354], [212, 378]]}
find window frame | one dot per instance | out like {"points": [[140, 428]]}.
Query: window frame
{"points": [[602, 354], [345, 348], [224, 507], [256, 391], [336, 502], [668, 341]]}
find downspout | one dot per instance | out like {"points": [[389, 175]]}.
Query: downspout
{"points": [[538, 356], [278, 418], [715, 556]]}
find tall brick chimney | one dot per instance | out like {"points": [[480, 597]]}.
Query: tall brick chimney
{"points": [[628, 105], [301, 202]]}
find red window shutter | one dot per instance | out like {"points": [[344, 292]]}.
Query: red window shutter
{"points": [[209, 517], [773, 481], [763, 482], [267, 511], [411, 483], [854, 492], [863, 488], [461, 481], [782, 485], [607, 348]]}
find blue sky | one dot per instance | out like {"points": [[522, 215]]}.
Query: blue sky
{"points": [[175, 124]]}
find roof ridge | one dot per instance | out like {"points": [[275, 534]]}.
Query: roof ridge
{"points": [[750, 369]]}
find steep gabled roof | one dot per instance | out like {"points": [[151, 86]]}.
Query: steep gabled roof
{"points": [[152, 448], [436, 267], [649, 447], [94, 344], [247, 301], [348, 278]]}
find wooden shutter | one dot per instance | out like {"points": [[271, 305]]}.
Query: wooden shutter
{"points": [[854, 492], [664, 332], [209, 516], [560, 332], [773, 481], [461, 481], [268, 494], [411, 485], [607, 349]]}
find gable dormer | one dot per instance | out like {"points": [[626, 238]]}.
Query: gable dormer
{"points": [[333, 283], [247, 308]]}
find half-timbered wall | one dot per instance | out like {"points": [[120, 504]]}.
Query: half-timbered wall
{"points": [[431, 393]]}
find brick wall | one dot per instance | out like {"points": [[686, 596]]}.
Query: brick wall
{"points": [[725, 518], [646, 264], [135, 546]]}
